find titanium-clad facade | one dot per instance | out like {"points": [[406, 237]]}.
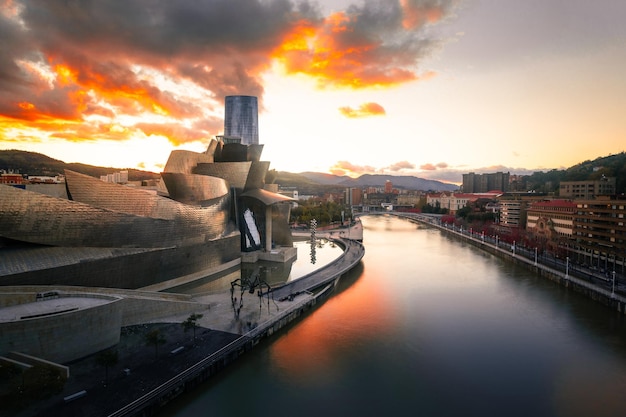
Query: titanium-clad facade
{"points": [[194, 189], [235, 173], [130, 219], [112, 235]]}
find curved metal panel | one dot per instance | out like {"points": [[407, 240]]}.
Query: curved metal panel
{"points": [[37, 218], [235, 173], [184, 161], [256, 177], [194, 189]]}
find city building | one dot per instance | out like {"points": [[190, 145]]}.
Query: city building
{"points": [[587, 190], [482, 183], [241, 119], [600, 232], [453, 202], [550, 224], [120, 177], [354, 196], [11, 179]]}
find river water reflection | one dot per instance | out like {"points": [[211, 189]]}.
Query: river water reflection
{"points": [[430, 326]]}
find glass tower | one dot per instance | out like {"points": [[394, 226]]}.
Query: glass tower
{"points": [[241, 119]]}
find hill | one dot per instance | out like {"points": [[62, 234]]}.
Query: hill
{"points": [[33, 163], [405, 182], [314, 182], [590, 170]]}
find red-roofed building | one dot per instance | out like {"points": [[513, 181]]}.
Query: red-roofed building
{"points": [[11, 179]]}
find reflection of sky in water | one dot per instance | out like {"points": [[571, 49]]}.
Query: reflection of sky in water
{"points": [[325, 252], [272, 273]]}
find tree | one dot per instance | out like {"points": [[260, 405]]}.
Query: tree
{"points": [[191, 323], [155, 338], [107, 358], [33, 384]]}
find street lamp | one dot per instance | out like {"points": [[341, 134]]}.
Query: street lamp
{"points": [[613, 289]]}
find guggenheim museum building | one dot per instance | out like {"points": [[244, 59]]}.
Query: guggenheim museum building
{"points": [[211, 209], [211, 212]]}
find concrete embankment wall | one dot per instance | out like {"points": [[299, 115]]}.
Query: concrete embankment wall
{"points": [[613, 301], [65, 336], [136, 306]]}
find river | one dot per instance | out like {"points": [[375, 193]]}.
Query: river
{"points": [[430, 326]]}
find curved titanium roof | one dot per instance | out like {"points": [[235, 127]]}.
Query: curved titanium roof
{"points": [[184, 161], [194, 189], [235, 173], [110, 215]]}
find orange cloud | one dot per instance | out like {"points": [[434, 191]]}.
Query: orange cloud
{"points": [[398, 166], [68, 73], [347, 168], [366, 46], [364, 110], [433, 167], [174, 132]]}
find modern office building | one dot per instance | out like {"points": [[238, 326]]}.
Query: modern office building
{"points": [[241, 119]]}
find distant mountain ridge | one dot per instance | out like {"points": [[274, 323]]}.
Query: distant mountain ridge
{"points": [[376, 180], [33, 163]]}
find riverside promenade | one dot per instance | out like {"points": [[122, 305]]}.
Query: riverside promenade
{"points": [[145, 378]]}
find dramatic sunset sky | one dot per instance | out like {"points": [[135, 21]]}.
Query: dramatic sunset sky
{"points": [[432, 88]]}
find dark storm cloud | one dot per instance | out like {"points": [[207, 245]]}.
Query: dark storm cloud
{"points": [[64, 60], [376, 43], [221, 45]]}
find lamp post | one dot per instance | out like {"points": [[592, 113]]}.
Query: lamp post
{"points": [[613, 289], [535, 256]]}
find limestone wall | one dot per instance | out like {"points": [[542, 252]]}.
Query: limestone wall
{"points": [[66, 336]]}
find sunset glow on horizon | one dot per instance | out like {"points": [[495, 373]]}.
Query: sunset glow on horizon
{"points": [[431, 88]]}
